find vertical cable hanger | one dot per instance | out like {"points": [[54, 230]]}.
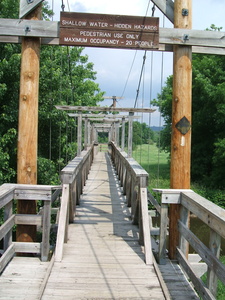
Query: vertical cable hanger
{"points": [[150, 94], [162, 68]]}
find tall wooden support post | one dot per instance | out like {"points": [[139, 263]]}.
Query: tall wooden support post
{"points": [[113, 132], [79, 134], [96, 135], [89, 133], [28, 126], [130, 133], [85, 133], [109, 135], [123, 134], [118, 133], [181, 116]]}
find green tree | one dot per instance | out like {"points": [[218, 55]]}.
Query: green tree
{"points": [[208, 118], [66, 77], [142, 134]]}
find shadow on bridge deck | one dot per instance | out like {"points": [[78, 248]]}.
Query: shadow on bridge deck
{"points": [[102, 259]]}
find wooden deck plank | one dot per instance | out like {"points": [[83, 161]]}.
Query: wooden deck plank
{"points": [[22, 278], [102, 258]]}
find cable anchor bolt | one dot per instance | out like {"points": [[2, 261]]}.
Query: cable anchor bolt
{"points": [[185, 12], [27, 28], [186, 37]]}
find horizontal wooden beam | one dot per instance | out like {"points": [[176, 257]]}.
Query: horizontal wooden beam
{"points": [[189, 37], [166, 7], [162, 47], [28, 219], [201, 40], [29, 28], [109, 109], [28, 6], [105, 120], [27, 247], [102, 116]]}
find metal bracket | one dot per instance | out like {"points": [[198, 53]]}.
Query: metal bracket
{"points": [[185, 12], [186, 37], [27, 28]]}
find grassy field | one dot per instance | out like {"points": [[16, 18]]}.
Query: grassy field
{"points": [[155, 162]]}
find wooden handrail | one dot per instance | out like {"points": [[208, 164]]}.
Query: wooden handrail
{"points": [[134, 180], [11, 192], [73, 178], [214, 217], [63, 221]]}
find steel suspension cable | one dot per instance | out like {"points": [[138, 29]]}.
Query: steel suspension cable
{"points": [[150, 95], [160, 117], [132, 64]]}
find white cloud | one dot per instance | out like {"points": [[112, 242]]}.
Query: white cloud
{"points": [[113, 65]]}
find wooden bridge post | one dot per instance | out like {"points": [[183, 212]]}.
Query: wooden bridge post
{"points": [[130, 133], [117, 129], [79, 134], [123, 134], [89, 133], [181, 116], [85, 133], [28, 125]]}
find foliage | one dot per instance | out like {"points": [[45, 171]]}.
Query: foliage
{"points": [[142, 134], [208, 119], [7, 141], [221, 288], [66, 77], [47, 172]]}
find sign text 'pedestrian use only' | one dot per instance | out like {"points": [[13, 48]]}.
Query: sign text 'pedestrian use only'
{"points": [[110, 31]]}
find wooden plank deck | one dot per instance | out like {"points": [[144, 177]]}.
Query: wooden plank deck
{"points": [[102, 259], [23, 279]]}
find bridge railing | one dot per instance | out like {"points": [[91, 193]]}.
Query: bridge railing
{"points": [[9, 194], [73, 178], [134, 180], [211, 215]]}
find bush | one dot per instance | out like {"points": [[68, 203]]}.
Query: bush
{"points": [[47, 172]]}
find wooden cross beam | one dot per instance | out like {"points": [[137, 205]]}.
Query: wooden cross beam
{"points": [[105, 109], [202, 41], [166, 7], [93, 116], [104, 120]]}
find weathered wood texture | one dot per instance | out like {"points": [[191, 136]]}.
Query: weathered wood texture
{"points": [[166, 7], [23, 279], [134, 180], [104, 109], [28, 126], [102, 258], [180, 167], [214, 217], [202, 41], [9, 192], [176, 282]]}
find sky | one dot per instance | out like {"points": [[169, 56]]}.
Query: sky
{"points": [[118, 70]]}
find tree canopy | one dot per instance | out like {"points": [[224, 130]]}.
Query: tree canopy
{"points": [[208, 119], [66, 77]]}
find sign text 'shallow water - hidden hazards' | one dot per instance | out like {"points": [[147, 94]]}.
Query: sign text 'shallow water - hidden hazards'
{"points": [[111, 31]]}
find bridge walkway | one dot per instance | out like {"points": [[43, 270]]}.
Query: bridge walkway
{"points": [[102, 258]]}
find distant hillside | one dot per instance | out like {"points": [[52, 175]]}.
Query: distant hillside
{"points": [[156, 128]]}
